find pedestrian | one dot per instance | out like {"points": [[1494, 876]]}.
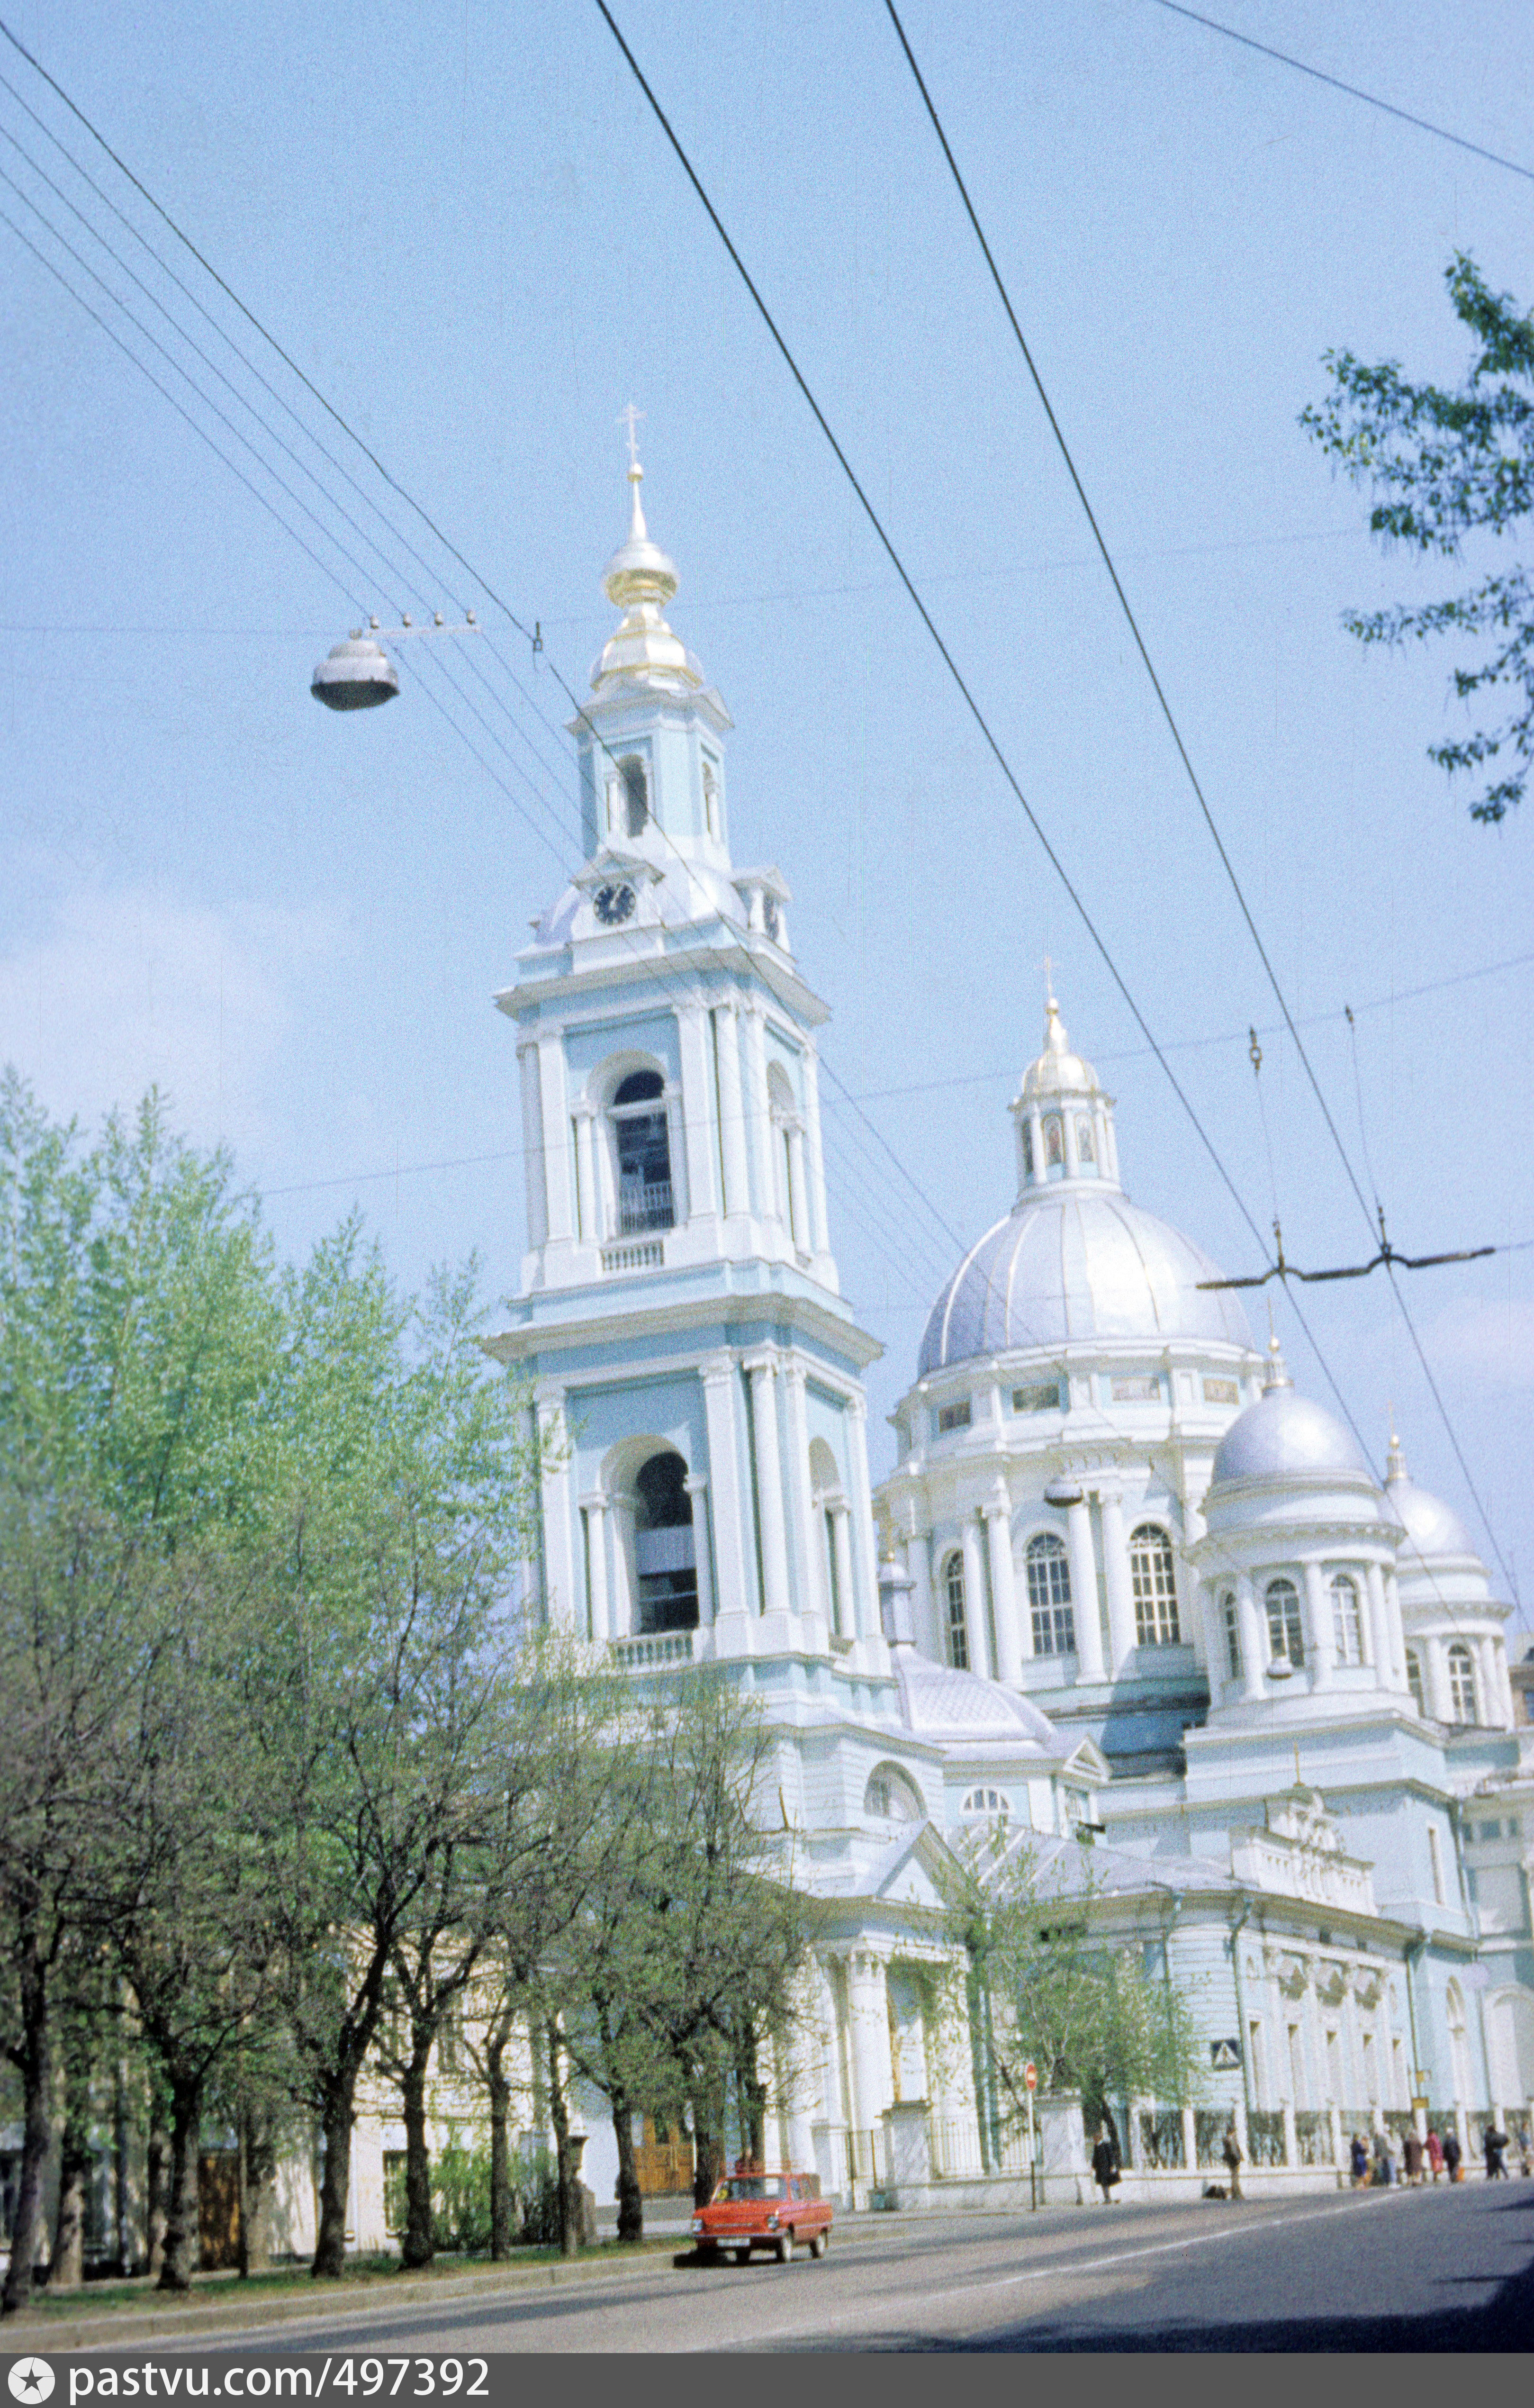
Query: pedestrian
{"points": [[1358, 2155], [1232, 2155], [1105, 2173], [1526, 2154], [1451, 2154], [1384, 2170], [1435, 2152], [1494, 2143], [1412, 2152]]}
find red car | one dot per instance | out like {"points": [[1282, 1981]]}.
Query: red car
{"points": [[758, 2211]]}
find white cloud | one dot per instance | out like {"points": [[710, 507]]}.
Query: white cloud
{"points": [[1489, 1343], [135, 988]]}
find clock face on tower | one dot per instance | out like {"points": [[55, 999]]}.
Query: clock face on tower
{"points": [[613, 904]]}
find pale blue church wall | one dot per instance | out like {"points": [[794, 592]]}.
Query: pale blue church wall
{"points": [[789, 1056], [591, 1042], [669, 1410]]}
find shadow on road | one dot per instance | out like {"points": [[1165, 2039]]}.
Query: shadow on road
{"points": [[1504, 2322]]}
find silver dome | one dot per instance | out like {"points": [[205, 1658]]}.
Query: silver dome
{"points": [[1081, 1264], [1284, 1436], [1432, 1527]]}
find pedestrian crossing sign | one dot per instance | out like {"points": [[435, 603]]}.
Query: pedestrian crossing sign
{"points": [[1224, 2055]]}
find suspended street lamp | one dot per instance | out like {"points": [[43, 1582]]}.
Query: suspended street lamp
{"points": [[358, 675]]}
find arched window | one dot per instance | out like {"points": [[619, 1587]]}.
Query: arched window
{"points": [[787, 1143], [1086, 1144], [1154, 1579], [1054, 1144], [1414, 1682], [643, 1147], [1027, 1151], [665, 1558], [986, 1801], [890, 1796], [1048, 1569], [1232, 1622], [636, 794], [1284, 1642], [1461, 1683], [710, 797], [1347, 1622], [958, 1628], [829, 1501]]}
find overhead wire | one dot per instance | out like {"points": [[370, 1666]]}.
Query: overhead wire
{"points": [[1370, 99], [1133, 624], [873, 1132]]}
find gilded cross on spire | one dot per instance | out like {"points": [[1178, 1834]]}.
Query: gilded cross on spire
{"points": [[630, 418]]}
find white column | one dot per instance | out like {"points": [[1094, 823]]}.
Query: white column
{"points": [[1398, 1632], [1379, 1615], [841, 1539], [974, 1598], [1067, 1131], [1036, 1141], [930, 1638], [801, 1502], [532, 1147], [556, 1143], [560, 1584], [626, 1620], [588, 1216], [1439, 1703], [1254, 1651], [870, 2033], [693, 1105], [697, 1491], [1320, 1637], [1084, 1593], [820, 1218], [1216, 1654], [865, 1605], [999, 1528], [1124, 1637], [758, 1115], [770, 1485], [733, 1569], [1491, 1687], [798, 1201], [732, 1109], [595, 1508]]}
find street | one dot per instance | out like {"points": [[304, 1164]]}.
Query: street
{"points": [[1440, 2269]]}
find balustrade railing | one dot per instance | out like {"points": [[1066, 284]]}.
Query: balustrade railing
{"points": [[664, 1647]]}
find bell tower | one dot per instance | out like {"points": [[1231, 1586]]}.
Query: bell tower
{"points": [[680, 1306]]}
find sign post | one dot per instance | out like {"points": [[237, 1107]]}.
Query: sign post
{"points": [[1030, 2083]]}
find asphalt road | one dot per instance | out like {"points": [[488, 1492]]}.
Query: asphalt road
{"points": [[1438, 2268]]}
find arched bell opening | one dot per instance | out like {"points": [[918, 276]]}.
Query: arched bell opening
{"points": [[665, 1548]]}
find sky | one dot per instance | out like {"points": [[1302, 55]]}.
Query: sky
{"points": [[465, 227]]}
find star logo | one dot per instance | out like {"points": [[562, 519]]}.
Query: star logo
{"points": [[29, 2379]]}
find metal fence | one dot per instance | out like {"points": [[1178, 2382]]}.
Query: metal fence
{"points": [[1313, 2136], [1265, 2136], [959, 2154], [1160, 2140]]}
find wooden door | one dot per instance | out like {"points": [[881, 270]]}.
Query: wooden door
{"points": [[662, 2158]]}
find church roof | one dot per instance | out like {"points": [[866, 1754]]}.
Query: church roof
{"points": [[1073, 1264], [941, 1704]]}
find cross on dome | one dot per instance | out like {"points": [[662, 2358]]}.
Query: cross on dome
{"points": [[639, 579]]}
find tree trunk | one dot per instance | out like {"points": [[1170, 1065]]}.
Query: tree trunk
{"points": [[123, 2252], [156, 2159], [707, 2097], [569, 2204], [630, 2197], [33, 2058], [335, 2128], [420, 2243], [502, 2203], [182, 2246], [66, 2268], [257, 2173]]}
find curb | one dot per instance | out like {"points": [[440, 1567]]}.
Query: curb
{"points": [[130, 2326]]}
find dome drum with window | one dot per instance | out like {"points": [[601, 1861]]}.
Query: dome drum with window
{"points": [[1047, 1568]]}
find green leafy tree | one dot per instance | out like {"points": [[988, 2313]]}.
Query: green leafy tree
{"points": [[1055, 1978], [1444, 467]]}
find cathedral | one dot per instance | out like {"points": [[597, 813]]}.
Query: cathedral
{"points": [[1125, 1592]]}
